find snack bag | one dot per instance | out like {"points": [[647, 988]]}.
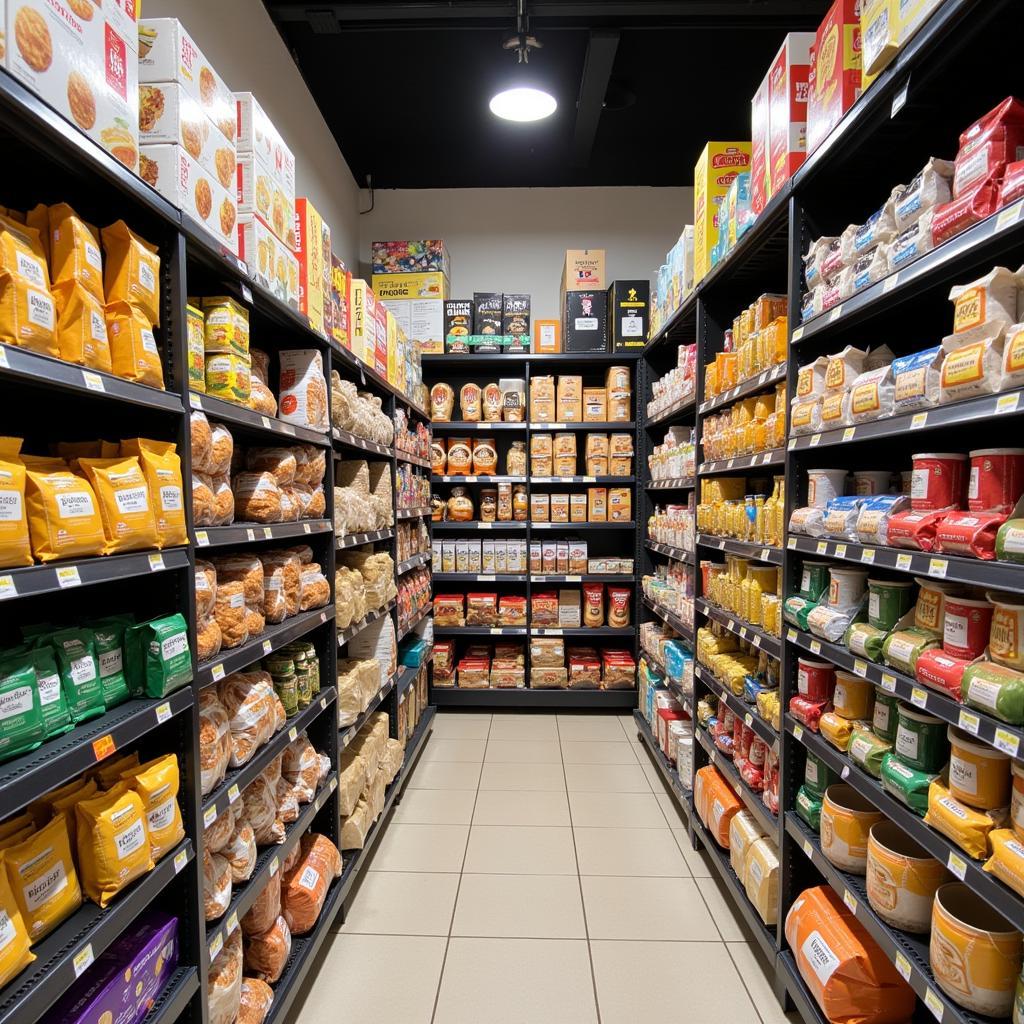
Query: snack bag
{"points": [[74, 251], [303, 390], [22, 727], [161, 466], [79, 673], [81, 327], [14, 942], [28, 315], [108, 635], [157, 784], [15, 548], [128, 520], [133, 350], [158, 658], [63, 519], [52, 702], [132, 273]]}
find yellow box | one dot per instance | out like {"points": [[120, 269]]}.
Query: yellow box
{"points": [[547, 336], [392, 343], [912, 15], [880, 36], [597, 504], [714, 172], [361, 327], [432, 285], [313, 250]]}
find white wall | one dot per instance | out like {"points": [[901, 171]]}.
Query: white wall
{"points": [[514, 239], [240, 40]]}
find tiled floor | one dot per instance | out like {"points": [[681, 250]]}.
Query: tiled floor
{"points": [[537, 871]]}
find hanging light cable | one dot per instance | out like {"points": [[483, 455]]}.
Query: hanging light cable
{"points": [[523, 102]]}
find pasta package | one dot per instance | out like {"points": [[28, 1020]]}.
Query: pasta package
{"points": [[157, 783], [133, 350], [15, 954], [968, 828], [63, 518], [129, 522], [872, 395], [74, 251], [161, 466], [303, 388], [267, 953], [28, 315], [974, 368], [82, 327], [132, 272], [15, 547]]}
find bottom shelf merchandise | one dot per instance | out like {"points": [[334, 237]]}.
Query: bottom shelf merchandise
{"points": [[369, 764]]}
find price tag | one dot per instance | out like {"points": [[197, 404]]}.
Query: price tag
{"points": [[757, 642], [334, 783], [934, 1003], [888, 682], [232, 922], [765, 554], [731, 625], [3, 358], [835, 314], [791, 543], [83, 959], [1006, 742], [486, 578], [209, 815], [323, 703], [968, 722], [868, 555], [7, 588], [265, 421], [815, 438], [850, 900], [202, 538], [791, 635], [323, 616], [840, 551], [487, 526], [163, 712], [808, 850], [860, 668], [93, 381], [293, 734], [791, 444], [216, 946], [743, 632], [497, 630], [1007, 403], [902, 965], [180, 860], [890, 282], [797, 334], [919, 697], [246, 293], [845, 773], [217, 672], [815, 646], [156, 563], [194, 400], [729, 463], [1008, 216], [573, 579], [268, 533], [267, 646], [822, 548], [67, 576], [918, 420], [899, 101], [556, 426], [937, 567], [233, 793], [274, 865], [103, 747], [798, 732], [957, 865], [306, 528], [904, 562]]}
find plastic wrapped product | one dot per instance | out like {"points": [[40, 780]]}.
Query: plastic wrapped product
{"points": [[868, 268], [831, 259], [807, 711], [262, 914], [304, 887], [972, 369], [874, 516], [817, 776], [941, 671], [914, 530], [809, 521], [951, 218], [931, 187], [835, 410], [814, 257], [113, 845], [256, 1000], [808, 807], [841, 515], [879, 228], [902, 647], [872, 395], [969, 533], [865, 640], [912, 242], [968, 828], [995, 689], [916, 380], [1013, 357], [901, 878], [830, 623], [224, 985], [846, 819], [836, 729], [805, 415], [983, 303], [266, 954], [1010, 541], [796, 610], [866, 750]]}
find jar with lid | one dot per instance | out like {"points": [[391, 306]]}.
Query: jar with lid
{"points": [[515, 460], [520, 503], [488, 505], [504, 503], [460, 506], [285, 682]]}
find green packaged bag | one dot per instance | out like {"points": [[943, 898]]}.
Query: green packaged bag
{"points": [[906, 784], [1010, 541], [796, 609], [817, 776], [808, 807], [158, 656], [865, 640], [885, 719], [866, 750], [903, 646], [56, 715], [21, 714], [994, 688], [79, 674], [109, 635]]}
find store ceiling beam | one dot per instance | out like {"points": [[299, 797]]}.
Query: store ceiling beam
{"points": [[597, 73]]}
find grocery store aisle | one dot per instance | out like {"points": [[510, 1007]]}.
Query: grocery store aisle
{"points": [[537, 871]]}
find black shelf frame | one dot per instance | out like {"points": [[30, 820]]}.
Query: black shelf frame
{"points": [[682, 796], [748, 549], [526, 697]]}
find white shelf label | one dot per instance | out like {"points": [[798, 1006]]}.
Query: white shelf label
{"points": [[797, 334], [7, 588], [180, 860], [93, 381], [267, 646], [765, 554], [850, 900], [815, 438], [1009, 216], [815, 646], [83, 959], [202, 538], [888, 682], [890, 282], [835, 314], [904, 562], [919, 697], [3, 358], [840, 551], [791, 635], [209, 815], [860, 668], [934, 1003], [1007, 403], [957, 865], [232, 922], [67, 576], [808, 849], [899, 101], [274, 865], [798, 732], [791, 543], [293, 734], [156, 563], [937, 567], [868, 555], [968, 722], [791, 444], [217, 672], [306, 528], [822, 548], [845, 773], [918, 420], [1006, 742], [902, 965], [268, 533], [233, 793], [163, 712], [216, 946]]}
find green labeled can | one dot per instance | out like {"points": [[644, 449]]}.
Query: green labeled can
{"points": [[886, 715], [814, 580], [921, 740], [817, 777], [888, 602]]}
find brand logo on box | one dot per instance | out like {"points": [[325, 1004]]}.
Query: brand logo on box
{"points": [[65, 15], [183, 170], [731, 158], [802, 90], [117, 62]]}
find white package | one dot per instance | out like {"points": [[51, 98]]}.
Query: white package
{"points": [[930, 188]]}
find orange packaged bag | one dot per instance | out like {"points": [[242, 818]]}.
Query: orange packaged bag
{"points": [[74, 251], [125, 504], [133, 350], [63, 518], [28, 315], [157, 783], [304, 887], [15, 548], [849, 976], [81, 327], [161, 466], [132, 273], [721, 805], [15, 955]]}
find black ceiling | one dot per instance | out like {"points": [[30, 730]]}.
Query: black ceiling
{"points": [[404, 87]]}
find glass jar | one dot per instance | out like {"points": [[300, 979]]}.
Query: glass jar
{"points": [[515, 460], [504, 503], [488, 505], [520, 503]]}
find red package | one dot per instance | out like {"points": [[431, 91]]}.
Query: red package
{"points": [[988, 145], [725, 745], [968, 533], [770, 798], [724, 724], [914, 529], [746, 739], [758, 753], [941, 671], [750, 773], [737, 736], [1012, 187], [808, 711], [953, 217]]}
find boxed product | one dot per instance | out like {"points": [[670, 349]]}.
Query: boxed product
{"points": [[487, 317], [569, 609], [86, 68], [760, 148], [787, 107], [583, 270], [569, 401], [542, 403], [458, 324], [184, 184], [421, 320], [886, 26], [410, 286], [835, 82], [408, 256], [167, 53], [271, 263], [628, 309], [313, 251], [168, 113], [337, 326], [714, 172], [266, 169], [515, 315], [380, 348], [586, 322], [547, 336]]}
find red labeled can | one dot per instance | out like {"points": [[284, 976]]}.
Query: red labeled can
{"points": [[815, 680], [938, 481], [997, 479], [966, 626]]}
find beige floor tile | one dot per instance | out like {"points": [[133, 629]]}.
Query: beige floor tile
{"points": [[646, 908], [436, 807], [498, 807], [461, 727], [512, 981], [652, 773], [524, 727], [723, 910], [754, 971], [471, 751], [523, 850], [696, 982], [629, 852], [445, 775], [359, 972], [589, 727], [399, 903], [520, 906], [615, 810], [597, 752], [696, 860], [669, 807], [421, 848], [519, 776], [528, 751], [606, 778]]}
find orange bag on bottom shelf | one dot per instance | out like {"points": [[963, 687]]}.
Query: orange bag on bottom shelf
{"points": [[849, 976], [717, 805]]}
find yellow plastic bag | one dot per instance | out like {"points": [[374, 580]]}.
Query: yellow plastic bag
{"points": [[15, 547], [17, 837], [109, 774], [42, 877], [968, 828], [125, 504], [113, 846], [65, 805], [63, 518], [28, 314], [81, 327], [74, 251], [161, 465], [15, 955], [157, 783], [1007, 860], [39, 218], [133, 271], [16, 824], [72, 450], [133, 350]]}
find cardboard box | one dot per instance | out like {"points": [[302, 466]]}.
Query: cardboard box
{"points": [[167, 53], [577, 508], [410, 257], [422, 321], [597, 504], [714, 172], [569, 609], [760, 148], [359, 293], [583, 270], [540, 507], [542, 399], [391, 346], [620, 505], [836, 78], [879, 34], [913, 14], [458, 324], [338, 325], [271, 263], [515, 315], [487, 308], [516, 556], [586, 322], [86, 69], [547, 336], [569, 405], [380, 349], [410, 286], [787, 98], [184, 184], [628, 313], [314, 263], [595, 405]]}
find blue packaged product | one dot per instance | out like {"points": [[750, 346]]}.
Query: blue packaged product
{"points": [[916, 379], [873, 519], [879, 227], [678, 662], [914, 242], [841, 517]]}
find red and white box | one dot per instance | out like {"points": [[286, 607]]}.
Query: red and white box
{"points": [[835, 81], [787, 107], [760, 142]]}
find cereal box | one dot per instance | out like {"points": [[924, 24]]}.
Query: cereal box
{"points": [[271, 263], [422, 320], [182, 182], [718, 165], [410, 257], [167, 53], [837, 70], [760, 143], [432, 285], [314, 262], [76, 59], [338, 326], [167, 113], [360, 294], [380, 349], [787, 107]]}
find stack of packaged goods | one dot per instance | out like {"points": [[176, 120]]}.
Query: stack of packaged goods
{"points": [[743, 670], [673, 281], [363, 497], [411, 283], [369, 764], [675, 457], [751, 592], [359, 413], [756, 516]]}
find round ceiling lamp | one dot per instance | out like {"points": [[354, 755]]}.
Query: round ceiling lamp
{"points": [[523, 103]]}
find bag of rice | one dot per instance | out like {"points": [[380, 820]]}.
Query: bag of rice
{"points": [[906, 784], [869, 267], [15, 955], [1013, 357], [108, 641], [872, 395], [878, 228], [912, 242], [158, 657], [844, 367], [161, 466], [902, 647], [831, 623], [805, 416], [916, 380], [809, 521], [968, 828], [972, 369], [811, 378], [835, 410], [15, 549], [865, 640], [22, 723], [63, 518], [79, 673], [837, 730], [132, 271], [157, 784], [52, 702], [875, 514], [931, 187], [989, 301], [134, 354], [813, 259], [841, 517]]}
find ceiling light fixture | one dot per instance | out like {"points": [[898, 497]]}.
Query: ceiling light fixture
{"points": [[523, 103]]}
